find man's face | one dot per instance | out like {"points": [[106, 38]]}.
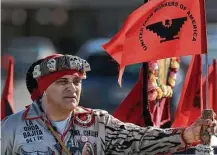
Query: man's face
{"points": [[65, 92]]}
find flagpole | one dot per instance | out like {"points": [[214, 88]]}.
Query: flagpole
{"points": [[205, 147], [146, 111], [207, 81]]}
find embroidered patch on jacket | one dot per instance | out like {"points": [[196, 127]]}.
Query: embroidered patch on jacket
{"points": [[84, 120], [81, 147]]}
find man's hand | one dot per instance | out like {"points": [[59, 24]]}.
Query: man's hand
{"points": [[192, 133]]}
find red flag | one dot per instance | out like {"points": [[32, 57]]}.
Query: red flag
{"points": [[7, 103], [131, 109], [189, 107], [212, 88], [160, 29]]}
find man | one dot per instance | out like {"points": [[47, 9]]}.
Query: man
{"points": [[55, 124]]}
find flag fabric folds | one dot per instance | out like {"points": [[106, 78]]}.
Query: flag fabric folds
{"points": [[7, 102], [212, 87], [189, 106], [131, 109], [190, 109], [185, 118]]}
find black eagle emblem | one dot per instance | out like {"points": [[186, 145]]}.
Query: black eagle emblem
{"points": [[169, 30]]}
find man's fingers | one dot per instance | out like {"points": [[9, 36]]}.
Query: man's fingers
{"points": [[214, 115], [211, 131], [202, 122], [214, 126]]}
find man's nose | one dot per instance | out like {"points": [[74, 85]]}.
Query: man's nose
{"points": [[71, 87]]}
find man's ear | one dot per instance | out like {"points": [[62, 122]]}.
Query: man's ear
{"points": [[45, 94]]}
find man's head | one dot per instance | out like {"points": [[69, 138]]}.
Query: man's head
{"points": [[58, 79]]}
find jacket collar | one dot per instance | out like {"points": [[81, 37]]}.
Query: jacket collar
{"points": [[33, 111]]}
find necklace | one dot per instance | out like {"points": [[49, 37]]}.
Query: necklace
{"points": [[157, 90], [54, 131]]}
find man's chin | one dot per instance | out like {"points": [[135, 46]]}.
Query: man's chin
{"points": [[71, 105]]}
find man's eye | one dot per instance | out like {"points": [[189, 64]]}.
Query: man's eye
{"points": [[77, 81], [62, 82]]}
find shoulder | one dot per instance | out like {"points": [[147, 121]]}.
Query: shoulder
{"points": [[9, 127], [96, 112], [11, 122], [86, 117], [99, 112]]}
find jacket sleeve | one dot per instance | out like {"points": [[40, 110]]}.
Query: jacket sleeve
{"points": [[127, 138], [6, 138]]}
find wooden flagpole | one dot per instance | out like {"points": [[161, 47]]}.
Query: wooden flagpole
{"points": [[146, 111], [205, 147]]}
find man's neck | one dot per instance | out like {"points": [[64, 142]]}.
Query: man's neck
{"points": [[55, 113]]}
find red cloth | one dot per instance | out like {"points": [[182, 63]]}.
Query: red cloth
{"points": [[142, 36], [212, 88], [189, 106], [7, 102], [45, 81], [212, 92], [36, 93], [131, 109]]}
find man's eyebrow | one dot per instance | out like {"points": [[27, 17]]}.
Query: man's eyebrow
{"points": [[62, 79], [67, 79]]}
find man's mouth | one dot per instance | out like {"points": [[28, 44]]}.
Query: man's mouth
{"points": [[69, 97]]}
